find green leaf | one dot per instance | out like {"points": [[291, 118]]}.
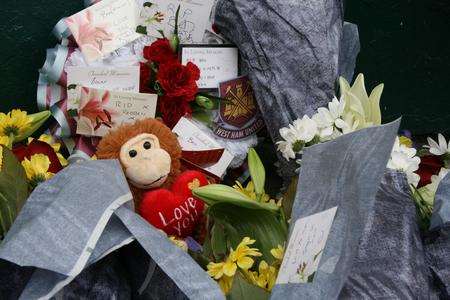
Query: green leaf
{"points": [[13, 190], [202, 116], [268, 229], [218, 241], [257, 171], [141, 29], [243, 290], [218, 193]]}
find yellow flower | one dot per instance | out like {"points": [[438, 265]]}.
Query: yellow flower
{"points": [[242, 253], [5, 141], [405, 141], [36, 168], [278, 252], [249, 191], [179, 243], [16, 122], [225, 283], [265, 277], [56, 147], [215, 270]]}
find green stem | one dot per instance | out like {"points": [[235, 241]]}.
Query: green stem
{"points": [[176, 20]]}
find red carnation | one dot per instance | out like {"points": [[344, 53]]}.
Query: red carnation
{"points": [[159, 52], [179, 81], [429, 165], [172, 109], [39, 147], [145, 73]]}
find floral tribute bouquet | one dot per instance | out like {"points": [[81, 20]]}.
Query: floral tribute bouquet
{"points": [[355, 110], [175, 84], [241, 242]]}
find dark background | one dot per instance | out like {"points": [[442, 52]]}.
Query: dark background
{"points": [[404, 44]]}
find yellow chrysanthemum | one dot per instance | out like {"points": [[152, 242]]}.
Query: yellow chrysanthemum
{"points": [[278, 252], [179, 243], [5, 141], [16, 122], [56, 146], [36, 168], [215, 270]]}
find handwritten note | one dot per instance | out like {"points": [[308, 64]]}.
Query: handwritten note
{"points": [[100, 110], [217, 64], [193, 18], [104, 27], [125, 79], [305, 247], [192, 138]]}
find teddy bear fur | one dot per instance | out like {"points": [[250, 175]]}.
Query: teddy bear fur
{"points": [[109, 147]]}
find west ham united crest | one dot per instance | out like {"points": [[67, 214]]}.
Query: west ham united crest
{"points": [[238, 115]]}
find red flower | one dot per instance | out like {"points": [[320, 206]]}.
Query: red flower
{"points": [[429, 165], [179, 81], [38, 147], [145, 73], [172, 109], [159, 52]]}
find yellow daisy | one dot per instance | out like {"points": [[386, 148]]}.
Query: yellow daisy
{"points": [[15, 123], [278, 252], [56, 146]]}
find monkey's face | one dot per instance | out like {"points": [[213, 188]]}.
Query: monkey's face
{"points": [[146, 164]]}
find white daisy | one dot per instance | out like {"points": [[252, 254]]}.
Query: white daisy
{"points": [[440, 148], [404, 159]]}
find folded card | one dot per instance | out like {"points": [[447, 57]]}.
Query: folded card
{"points": [[158, 16], [305, 247], [192, 138], [124, 79], [101, 110], [104, 27], [216, 63]]}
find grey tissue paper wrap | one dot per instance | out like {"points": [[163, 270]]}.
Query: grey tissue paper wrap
{"points": [[390, 263], [345, 172], [78, 217], [293, 53]]}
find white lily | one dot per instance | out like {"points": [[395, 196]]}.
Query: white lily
{"points": [[440, 148]]}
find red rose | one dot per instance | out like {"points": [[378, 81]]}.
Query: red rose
{"points": [[159, 52], [38, 147], [429, 165], [172, 109], [179, 81]]}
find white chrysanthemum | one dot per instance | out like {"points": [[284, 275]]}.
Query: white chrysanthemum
{"points": [[326, 119], [304, 129], [438, 148], [404, 159], [286, 150]]}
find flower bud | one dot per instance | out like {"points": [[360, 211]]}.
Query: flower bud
{"points": [[204, 102]]}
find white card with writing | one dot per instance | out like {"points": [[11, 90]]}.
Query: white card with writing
{"points": [[305, 247], [124, 79], [192, 138], [159, 15], [104, 27], [100, 110], [216, 64]]}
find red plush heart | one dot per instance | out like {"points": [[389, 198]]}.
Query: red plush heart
{"points": [[176, 212]]}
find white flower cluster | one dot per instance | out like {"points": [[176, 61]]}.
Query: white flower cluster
{"points": [[404, 159], [326, 124]]}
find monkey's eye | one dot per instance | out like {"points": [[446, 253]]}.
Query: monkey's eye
{"points": [[132, 153], [147, 145]]}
